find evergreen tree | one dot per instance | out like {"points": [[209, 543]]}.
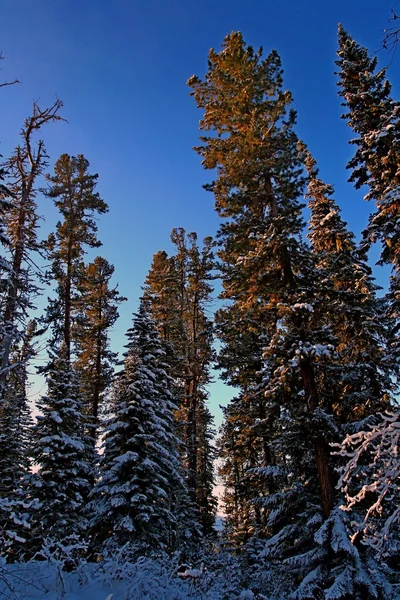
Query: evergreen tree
{"points": [[179, 290], [23, 168], [73, 189], [239, 451], [137, 499], [15, 420], [251, 129], [375, 117], [284, 419], [369, 481], [362, 368], [257, 190], [15, 446], [97, 311], [62, 482]]}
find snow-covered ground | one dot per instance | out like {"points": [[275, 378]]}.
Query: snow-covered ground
{"points": [[112, 580]]}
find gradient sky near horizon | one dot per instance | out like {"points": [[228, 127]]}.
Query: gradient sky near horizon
{"points": [[121, 66]]}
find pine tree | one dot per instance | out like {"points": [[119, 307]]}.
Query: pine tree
{"points": [[15, 419], [15, 450], [63, 480], [257, 191], [239, 451], [356, 316], [23, 169], [369, 481], [73, 191], [136, 500], [97, 311], [179, 289], [250, 126], [276, 439], [375, 117]]}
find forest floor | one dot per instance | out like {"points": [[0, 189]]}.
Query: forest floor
{"points": [[146, 579]]}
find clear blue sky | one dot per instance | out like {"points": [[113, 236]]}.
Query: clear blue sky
{"points": [[121, 66]]}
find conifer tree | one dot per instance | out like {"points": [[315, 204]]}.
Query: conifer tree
{"points": [[257, 192], [23, 169], [251, 126], [137, 499], [15, 419], [62, 482], [179, 290], [15, 451], [73, 189], [97, 311], [356, 316], [369, 480], [280, 426], [239, 451], [375, 117]]}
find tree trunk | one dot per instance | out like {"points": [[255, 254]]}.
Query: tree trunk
{"points": [[322, 454]]}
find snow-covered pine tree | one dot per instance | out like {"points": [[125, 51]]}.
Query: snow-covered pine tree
{"points": [[260, 179], [362, 370], [15, 445], [239, 453], [63, 479], [355, 384], [285, 412], [18, 233], [370, 483], [375, 117], [179, 290], [251, 124], [141, 498]]}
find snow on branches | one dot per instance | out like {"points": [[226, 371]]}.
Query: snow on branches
{"points": [[370, 482]]}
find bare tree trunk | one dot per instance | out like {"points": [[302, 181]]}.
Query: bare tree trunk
{"points": [[26, 165]]}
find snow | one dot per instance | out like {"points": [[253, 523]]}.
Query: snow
{"points": [[303, 306], [112, 579]]}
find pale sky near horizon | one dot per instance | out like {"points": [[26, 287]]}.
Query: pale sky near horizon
{"points": [[121, 69]]}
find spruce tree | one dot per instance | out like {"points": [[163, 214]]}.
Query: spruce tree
{"points": [[251, 125], [362, 371], [15, 451], [72, 188], [137, 499], [97, 311], [369, 481], [179, 290], [286, 413], [375, 117], [239, 451], [63, 479], [264, 262]]}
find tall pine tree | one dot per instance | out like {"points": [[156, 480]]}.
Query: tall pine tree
{"points": [[179, 290], [63, 479], [24, 168], [375, 117], [137, 499], [97, 311], [285, 417], [72, 188]]}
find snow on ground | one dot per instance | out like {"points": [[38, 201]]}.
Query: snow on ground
{"points": [[109, 580]]}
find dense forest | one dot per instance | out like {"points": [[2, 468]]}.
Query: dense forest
{"points": [[113, 470]]}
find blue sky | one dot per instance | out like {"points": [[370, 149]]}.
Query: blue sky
{"points": [[121, 66]]}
